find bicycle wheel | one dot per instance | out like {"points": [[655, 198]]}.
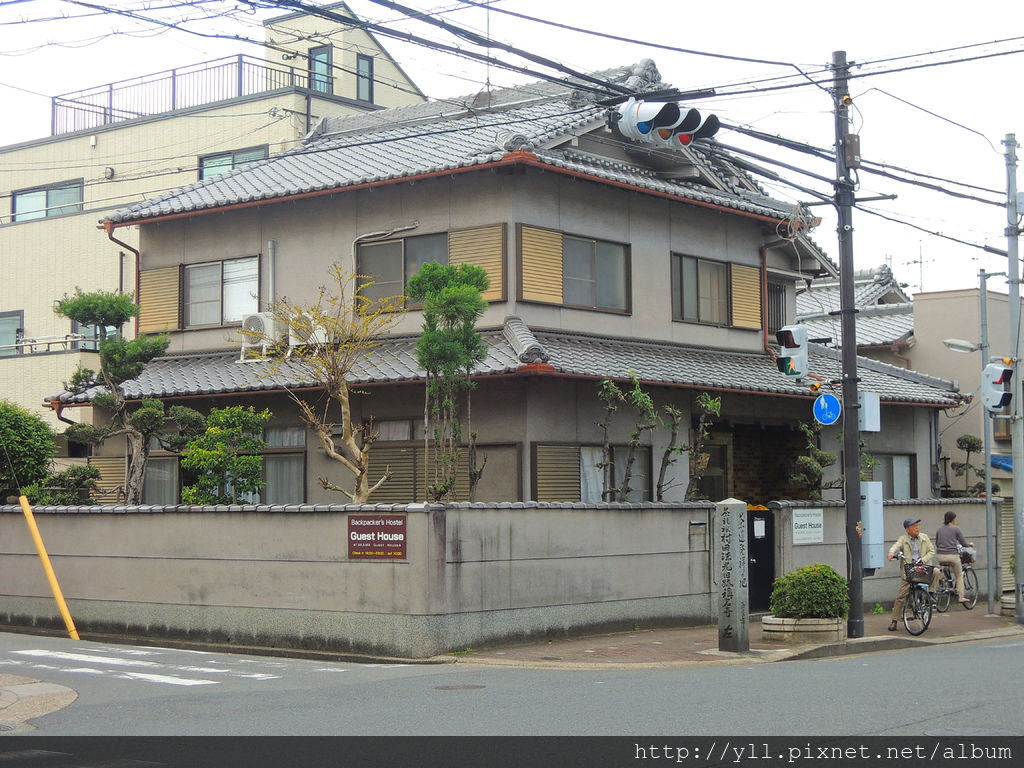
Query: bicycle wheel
{"points": [[945, 594], [970, 588], [917, 611]]}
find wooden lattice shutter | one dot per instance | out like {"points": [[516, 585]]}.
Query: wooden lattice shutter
{"points": [[400, 488], [541, 265], [557, 473], [484, 247], [746, 296], [159, 299], [110, 486]]}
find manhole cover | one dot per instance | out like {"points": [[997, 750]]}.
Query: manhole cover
{"points": [[458, 687]]}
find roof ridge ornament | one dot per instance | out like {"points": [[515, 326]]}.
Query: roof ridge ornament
{"points": [[526, 346]]}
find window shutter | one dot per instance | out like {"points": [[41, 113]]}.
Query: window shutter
{"points": [[159, 303], [746, 296], [112, 476], [484, 247], [1006, 545], [541, 265], [557, 472], [400, 488]]}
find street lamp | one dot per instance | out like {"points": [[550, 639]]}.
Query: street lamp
{"points": [[962, 346]]}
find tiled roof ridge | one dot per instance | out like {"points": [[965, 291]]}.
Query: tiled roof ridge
{"points": [[874, 310], [634, 342], [526, 346], [889, 369]]}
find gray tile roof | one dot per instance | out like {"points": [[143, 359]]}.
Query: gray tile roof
{"points": [[517, 345], [869, 286], [436, 137], [876, 325]]}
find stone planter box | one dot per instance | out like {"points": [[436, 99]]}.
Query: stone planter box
{"points": [[802, 630], [1008, 605]]}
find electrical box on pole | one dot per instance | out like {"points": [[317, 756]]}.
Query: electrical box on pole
{"points": [[872, 542], [851, 150]]}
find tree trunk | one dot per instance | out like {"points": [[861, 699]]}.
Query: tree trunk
{"points": [[137, 456]]}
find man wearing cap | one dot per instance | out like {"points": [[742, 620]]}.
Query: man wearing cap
{"points": [[915, 546]]}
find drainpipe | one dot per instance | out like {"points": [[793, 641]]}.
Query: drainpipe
{"points": [[898, 346], [763, 252], [57, 407], [109, 227], [271, 273], [384, 234]]}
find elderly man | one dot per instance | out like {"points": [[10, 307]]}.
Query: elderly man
{"points": [[915, 546]]}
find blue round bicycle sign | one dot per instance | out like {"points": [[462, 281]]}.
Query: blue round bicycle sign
{"points": [[827, 409]]}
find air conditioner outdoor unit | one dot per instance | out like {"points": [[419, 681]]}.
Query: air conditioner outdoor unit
{"points": [[260, 330], [311, 335]]}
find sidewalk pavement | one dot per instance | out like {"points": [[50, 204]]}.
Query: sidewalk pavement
{"points": [[698, 646]]}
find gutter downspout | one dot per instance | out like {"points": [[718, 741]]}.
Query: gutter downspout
{"points": [[898, 346], [57, 406], [108, 226], [763, 253]]}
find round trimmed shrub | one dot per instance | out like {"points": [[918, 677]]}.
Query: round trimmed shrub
{"points": [[28, 443], [812, 592]]}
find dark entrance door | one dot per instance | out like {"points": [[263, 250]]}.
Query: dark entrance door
{"points": [[761, 553]]}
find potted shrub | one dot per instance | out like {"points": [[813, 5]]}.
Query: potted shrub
{"points": [[808, 605]]}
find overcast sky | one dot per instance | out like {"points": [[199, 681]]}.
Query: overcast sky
{"points": [[983, 96]]}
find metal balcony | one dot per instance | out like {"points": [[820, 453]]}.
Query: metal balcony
{"points": [[181, 88]]}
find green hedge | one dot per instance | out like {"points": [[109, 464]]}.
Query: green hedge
{"points": [[813, 592]]}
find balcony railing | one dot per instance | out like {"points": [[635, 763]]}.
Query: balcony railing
{"points": [[180, 88]]}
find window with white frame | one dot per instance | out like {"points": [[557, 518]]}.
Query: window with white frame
{"points": [[51, 200], [222, 162], [221, 292], [11, 325]]}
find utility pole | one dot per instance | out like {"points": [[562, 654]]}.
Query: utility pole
{"points": [[847, 153], [1017, 428], [990, 525]]}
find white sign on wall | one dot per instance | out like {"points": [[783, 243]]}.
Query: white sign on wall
{"points": [[808, 526]]}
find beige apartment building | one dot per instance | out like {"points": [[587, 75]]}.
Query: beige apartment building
{"points": [[120, 143]]}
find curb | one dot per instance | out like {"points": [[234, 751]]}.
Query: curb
{"points": [[248, 650], [873, 644], [25, 698]]}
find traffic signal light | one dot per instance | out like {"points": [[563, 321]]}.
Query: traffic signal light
{"points": [[993, 386], [663, 123], [792, 359]]}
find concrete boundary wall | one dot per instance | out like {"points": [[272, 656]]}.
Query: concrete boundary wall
{"points": [[882, 586], [281, 576]]}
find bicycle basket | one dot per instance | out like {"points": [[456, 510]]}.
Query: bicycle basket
{"points": [[918, 573], [967, 555]]}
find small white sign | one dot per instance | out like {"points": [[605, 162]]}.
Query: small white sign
{"points": [[808, 526], [759, 528]]}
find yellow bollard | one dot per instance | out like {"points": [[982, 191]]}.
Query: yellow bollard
{"points": [[50, 575]]}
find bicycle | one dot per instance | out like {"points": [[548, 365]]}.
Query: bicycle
{"points": [[917, 608], [947, 584]]}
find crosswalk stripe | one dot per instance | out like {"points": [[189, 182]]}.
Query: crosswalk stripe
{"points": [[149, 677]]}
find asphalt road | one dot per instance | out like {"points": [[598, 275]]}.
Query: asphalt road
{"points": [[959, 689]]}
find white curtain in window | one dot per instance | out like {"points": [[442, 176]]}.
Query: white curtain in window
{"points": [[639, 481], [160, 485], [286, 483], [241, 289], [901, 477], [591, 475], [285, 437]]}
